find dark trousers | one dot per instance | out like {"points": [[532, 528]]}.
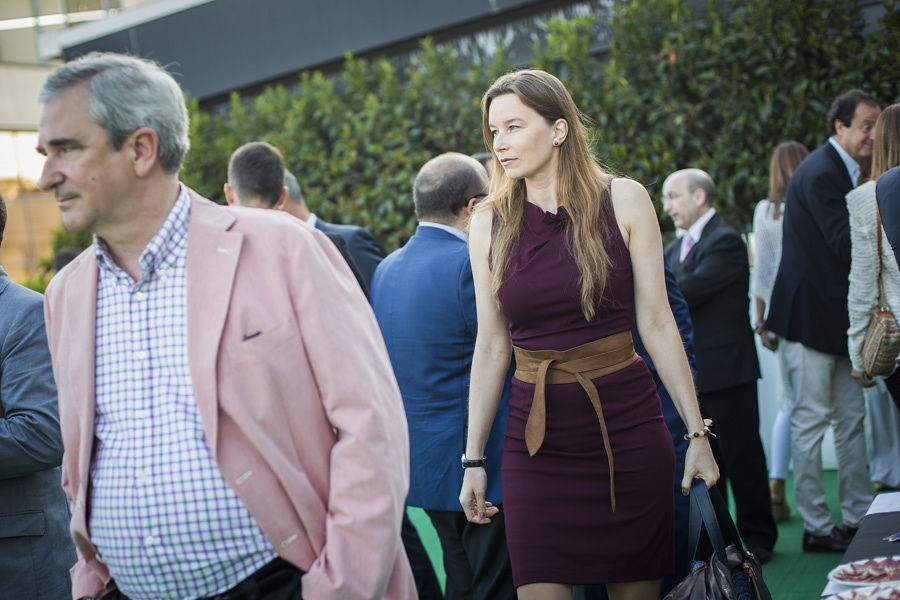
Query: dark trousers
{"points": [[893, 385], [476, 558], [278, 580], [739, 454], [427, 584]]}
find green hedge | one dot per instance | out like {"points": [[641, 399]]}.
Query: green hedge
{"points": [[717, 88]]}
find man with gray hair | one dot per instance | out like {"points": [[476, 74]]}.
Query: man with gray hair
{"points": [[712, 270], [424, 299], [214, 444]]}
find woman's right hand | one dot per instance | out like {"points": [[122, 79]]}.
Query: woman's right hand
{"points": [[472, 495]]}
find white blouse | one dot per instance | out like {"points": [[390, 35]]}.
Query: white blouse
{"points": [[767, 255], [863, 296]]}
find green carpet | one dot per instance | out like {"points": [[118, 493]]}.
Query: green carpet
{"points": [[791, 575]]}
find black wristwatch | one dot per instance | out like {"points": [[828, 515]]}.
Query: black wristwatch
{"points": [[469, 463]]}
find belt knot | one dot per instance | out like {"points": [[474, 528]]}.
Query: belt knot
{"points": [[580, 364]]}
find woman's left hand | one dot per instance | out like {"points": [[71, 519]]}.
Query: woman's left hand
{"points": [[701, 463]]}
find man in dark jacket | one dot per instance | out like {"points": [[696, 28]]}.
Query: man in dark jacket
{"points": [[809, 310], [35, 548], [711, 267]]}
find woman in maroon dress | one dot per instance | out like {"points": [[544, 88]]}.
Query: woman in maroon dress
{"points": [[563, 256]]}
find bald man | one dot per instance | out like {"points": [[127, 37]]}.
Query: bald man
{"points": [[712, 270]]}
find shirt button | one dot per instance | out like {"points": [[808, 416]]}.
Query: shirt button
{"points": [[142, 355], [150, 540], [142, 414], [139, 295], [142, 479]]}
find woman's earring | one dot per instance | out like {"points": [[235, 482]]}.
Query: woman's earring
{"points": [[556, 142]]}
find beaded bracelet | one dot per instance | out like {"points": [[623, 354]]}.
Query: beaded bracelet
{"points": [[702, 433]]}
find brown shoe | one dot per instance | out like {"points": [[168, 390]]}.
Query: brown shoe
{"points": [[834, 542], [781, 511]]}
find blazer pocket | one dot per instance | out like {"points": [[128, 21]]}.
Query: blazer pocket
{"points": [[257, 344], [30, 523]]}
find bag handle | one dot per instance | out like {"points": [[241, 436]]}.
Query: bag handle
{"points": [[705, 506]]}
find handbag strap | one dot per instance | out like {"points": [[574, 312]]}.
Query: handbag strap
{"points": [[704, 514], [881, 301]]}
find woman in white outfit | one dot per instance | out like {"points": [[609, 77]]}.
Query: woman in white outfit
{"points": [[882, 418], [767, 240]]}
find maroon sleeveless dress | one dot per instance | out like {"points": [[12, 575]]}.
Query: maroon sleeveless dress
{"points": [[560, 526]]}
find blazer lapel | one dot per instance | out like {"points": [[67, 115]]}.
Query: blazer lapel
{"points": [[839, 165], [212, 258], [705, 236]]}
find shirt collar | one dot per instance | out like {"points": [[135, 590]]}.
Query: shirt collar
{"points": [[162, 246], [852, 165], [696, 230], [452, 230], [311, 220]]}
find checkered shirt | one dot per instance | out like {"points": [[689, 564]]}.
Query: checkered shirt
{"points": [[161, 515]]}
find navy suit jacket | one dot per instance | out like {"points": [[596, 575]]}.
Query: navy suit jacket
{"points": [[36, 550], [887, 191], [423, 296], [714, 279], [809, 298], [363, 248]]}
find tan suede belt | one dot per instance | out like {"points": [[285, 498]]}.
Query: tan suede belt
{"points": [[580, 364]]}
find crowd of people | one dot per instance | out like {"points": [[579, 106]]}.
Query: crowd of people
{"points": [[249, 397]]}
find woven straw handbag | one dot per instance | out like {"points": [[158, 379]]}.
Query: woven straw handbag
{"points": [[882, 341]]}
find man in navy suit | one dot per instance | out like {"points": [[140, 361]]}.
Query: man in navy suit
{"points": [[35, 548], [809, 310], [424, 299], [712, 270], [257, 179], [364, 249]]}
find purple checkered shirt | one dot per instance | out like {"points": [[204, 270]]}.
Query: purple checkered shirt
{"points": [[164, 520]]}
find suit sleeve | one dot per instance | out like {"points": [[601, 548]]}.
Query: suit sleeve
{"points": [[369, 462], [723, 261], [467, 297], [30, 440], [888, 193], [827, 208], [367, 253], [682, 315]]}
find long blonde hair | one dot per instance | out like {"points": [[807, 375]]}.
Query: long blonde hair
{"points": [[886, 152], [786, 157], [581, 185]]}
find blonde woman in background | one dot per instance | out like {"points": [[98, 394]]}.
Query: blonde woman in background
{"points": [[882, 418], [767, 236]]}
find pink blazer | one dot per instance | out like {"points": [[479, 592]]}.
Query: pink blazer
{"points": [[305, 420]]}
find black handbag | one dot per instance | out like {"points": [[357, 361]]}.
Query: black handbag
{"points": [[731, 573]]}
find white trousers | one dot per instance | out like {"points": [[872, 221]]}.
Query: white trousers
{"points": [[882, 435], [825, 394]]}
